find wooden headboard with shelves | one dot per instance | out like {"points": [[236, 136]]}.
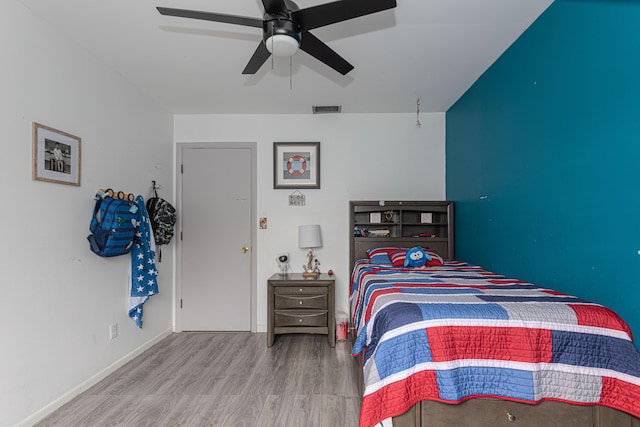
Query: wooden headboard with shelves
{"points": [[429, 224]]}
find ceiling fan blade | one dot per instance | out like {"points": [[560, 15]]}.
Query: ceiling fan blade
{"points": [[209, 16], [316, 48], [338, 11], [259, 57], [275, 7]]}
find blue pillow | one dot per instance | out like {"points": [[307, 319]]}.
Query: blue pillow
{"points": [[380, 258]]}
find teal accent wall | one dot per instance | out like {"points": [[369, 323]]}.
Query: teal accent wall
{"points": [[543, 157]]}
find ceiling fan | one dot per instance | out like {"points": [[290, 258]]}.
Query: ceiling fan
{"points": [[285, 27]]}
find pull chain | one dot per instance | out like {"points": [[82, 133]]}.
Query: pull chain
{"points": [[418, 124], [272, 55]]}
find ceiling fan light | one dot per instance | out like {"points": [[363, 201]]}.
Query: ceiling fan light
{"points": [[282, 45]]}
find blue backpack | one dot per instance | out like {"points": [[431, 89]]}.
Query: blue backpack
{"points": [[113, 226]]}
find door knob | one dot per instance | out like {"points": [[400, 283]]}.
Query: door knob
{"points": [[244, 249]]}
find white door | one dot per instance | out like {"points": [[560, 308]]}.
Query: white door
{"points": [[216, 230]]}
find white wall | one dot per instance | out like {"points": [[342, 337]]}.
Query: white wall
{"points": [[363, 157], [57, 299]]}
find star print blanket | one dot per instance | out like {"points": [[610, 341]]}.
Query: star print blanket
{"points": [[144, 274]]}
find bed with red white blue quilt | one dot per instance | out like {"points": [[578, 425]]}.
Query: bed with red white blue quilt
{"points": [[452, 344]]}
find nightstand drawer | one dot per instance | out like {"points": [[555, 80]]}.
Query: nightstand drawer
{"points": [[300, 301], [300, 290], [300, 318]]}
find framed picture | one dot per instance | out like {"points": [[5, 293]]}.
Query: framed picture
{"points": [[55, 155], [296, 165]]}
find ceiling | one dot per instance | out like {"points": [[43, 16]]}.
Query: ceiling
{"points": [[431, 50]]}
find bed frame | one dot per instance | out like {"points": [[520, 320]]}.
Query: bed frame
{"points": [[474, 412]]}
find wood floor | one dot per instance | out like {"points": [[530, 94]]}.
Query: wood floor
{"points": [[224, 379]]}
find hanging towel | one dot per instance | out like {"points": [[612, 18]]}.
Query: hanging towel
{"points": [[144, 274]]}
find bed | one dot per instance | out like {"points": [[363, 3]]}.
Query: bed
{"points": [[455, 345]]}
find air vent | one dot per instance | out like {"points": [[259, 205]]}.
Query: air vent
{"points": [[326, 109]]}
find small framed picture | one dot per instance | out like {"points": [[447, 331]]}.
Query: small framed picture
{"points": [[426, 217], [55, 156], [375, 217], [296, 165]]}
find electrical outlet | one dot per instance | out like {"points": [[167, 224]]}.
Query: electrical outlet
{"points": [[113, 331]]}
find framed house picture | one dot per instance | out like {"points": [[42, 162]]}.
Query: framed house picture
{"points": [[296, 165], [55, 156]]}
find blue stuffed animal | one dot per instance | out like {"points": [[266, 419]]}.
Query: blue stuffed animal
{"points": [[416, 258]]}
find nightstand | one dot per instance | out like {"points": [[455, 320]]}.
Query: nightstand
{"points": [[301, 306]]}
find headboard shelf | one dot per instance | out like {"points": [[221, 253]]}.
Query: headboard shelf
{"points": [[401, 224]]}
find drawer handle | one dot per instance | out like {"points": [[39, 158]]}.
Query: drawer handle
{"points": [[304, 297], [300, 302], [299, 320], [300, 289], [301, 315]]}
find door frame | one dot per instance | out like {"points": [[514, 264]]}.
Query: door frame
{"points": [[253, 148]]}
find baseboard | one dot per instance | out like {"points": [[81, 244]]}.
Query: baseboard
{"points": [[86, 385]]}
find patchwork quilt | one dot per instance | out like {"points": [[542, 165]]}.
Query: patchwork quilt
{"points": [[458, 332]]}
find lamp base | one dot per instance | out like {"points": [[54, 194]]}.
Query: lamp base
{"points": [[310, 274]]}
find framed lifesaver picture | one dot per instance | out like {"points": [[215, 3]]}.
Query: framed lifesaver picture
{"points": [[296, 165]]}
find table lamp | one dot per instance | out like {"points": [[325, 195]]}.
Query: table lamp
{"points": [[308, 238]]}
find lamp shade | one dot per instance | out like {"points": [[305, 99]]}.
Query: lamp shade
{"points": [[309, 236]]}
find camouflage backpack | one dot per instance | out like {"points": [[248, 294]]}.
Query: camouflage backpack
{"points": [[163, 219]]}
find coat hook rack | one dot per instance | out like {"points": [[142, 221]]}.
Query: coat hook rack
{"points": [[116, 194]]}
